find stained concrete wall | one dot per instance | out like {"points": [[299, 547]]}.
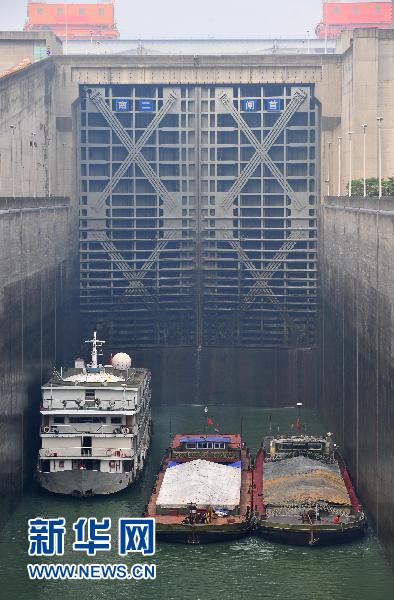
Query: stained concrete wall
{"points": [[26, 131], [37, 149], [37, 268], [38, 261], [16, 46], [357, 346]]}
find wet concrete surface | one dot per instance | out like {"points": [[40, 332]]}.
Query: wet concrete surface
{"points": [[356, 347], [37, 314]]}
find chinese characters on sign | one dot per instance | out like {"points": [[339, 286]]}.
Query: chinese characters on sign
{"points": [[272, 104], [249, 105], [122, 105], [145, 105]]}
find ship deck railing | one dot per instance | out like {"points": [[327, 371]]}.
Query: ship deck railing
{"points": [[69, 407], [86, 452], [60, 430], [78, 434]]}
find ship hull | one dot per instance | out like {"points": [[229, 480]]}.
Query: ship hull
{"points": [[85, 483], [201, 534], [318, 535]]}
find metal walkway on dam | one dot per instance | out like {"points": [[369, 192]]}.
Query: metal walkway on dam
{"points": [[183, 204], [198, 214]]}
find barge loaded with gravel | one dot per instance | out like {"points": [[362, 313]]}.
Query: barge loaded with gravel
{"points": [[303, 493], [203, 491]]}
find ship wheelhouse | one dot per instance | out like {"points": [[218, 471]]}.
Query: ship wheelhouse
{"points": [[314, 447], [220, 448]]}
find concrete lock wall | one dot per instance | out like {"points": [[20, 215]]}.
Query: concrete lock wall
{"points": [[36, 321], [38, 251], [357, 346], [37, 146], [26, 132]]}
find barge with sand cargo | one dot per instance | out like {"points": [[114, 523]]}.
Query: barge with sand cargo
{"points": [[203, 491]]}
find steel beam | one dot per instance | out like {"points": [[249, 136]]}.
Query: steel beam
{"points": [[268, 272], [131, 157], [261, 155], [265, 289], [124, 137], [134, 282], [134, 277]]}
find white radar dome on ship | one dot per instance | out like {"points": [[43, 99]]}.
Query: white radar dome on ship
{"points": [[121, 361]]}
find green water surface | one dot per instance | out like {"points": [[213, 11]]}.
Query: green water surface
{"points": [[244, 569]]}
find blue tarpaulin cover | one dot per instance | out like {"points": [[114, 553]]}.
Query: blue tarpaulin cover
{"points": [[205, 438], [172, 463], [236, 464]]}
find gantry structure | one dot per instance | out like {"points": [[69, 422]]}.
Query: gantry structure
{"points": [[198, 214]]}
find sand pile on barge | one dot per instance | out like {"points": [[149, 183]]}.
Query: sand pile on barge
{"points": [[200, 482], [301, 480]]}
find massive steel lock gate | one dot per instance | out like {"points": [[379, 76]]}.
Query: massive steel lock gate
{"points": [[198, 214]]}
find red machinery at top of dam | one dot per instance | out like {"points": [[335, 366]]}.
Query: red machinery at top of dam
{"points": [[70, 20]]}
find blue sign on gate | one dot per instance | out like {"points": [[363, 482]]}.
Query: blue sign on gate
{"points": [[249, 104], [272, 104], [146, 105], [122, 105]]}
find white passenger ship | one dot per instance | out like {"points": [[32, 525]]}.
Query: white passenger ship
{"points": [[95, 426]]}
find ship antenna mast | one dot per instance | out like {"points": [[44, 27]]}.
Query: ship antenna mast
{"points": [[96, 344]]}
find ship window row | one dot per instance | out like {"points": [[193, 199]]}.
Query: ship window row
{"points": [[111, 466], [205, 445], [86, 419], [300, 446]]}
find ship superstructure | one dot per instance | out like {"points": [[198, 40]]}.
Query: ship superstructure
{"points": [[95, 426]]}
